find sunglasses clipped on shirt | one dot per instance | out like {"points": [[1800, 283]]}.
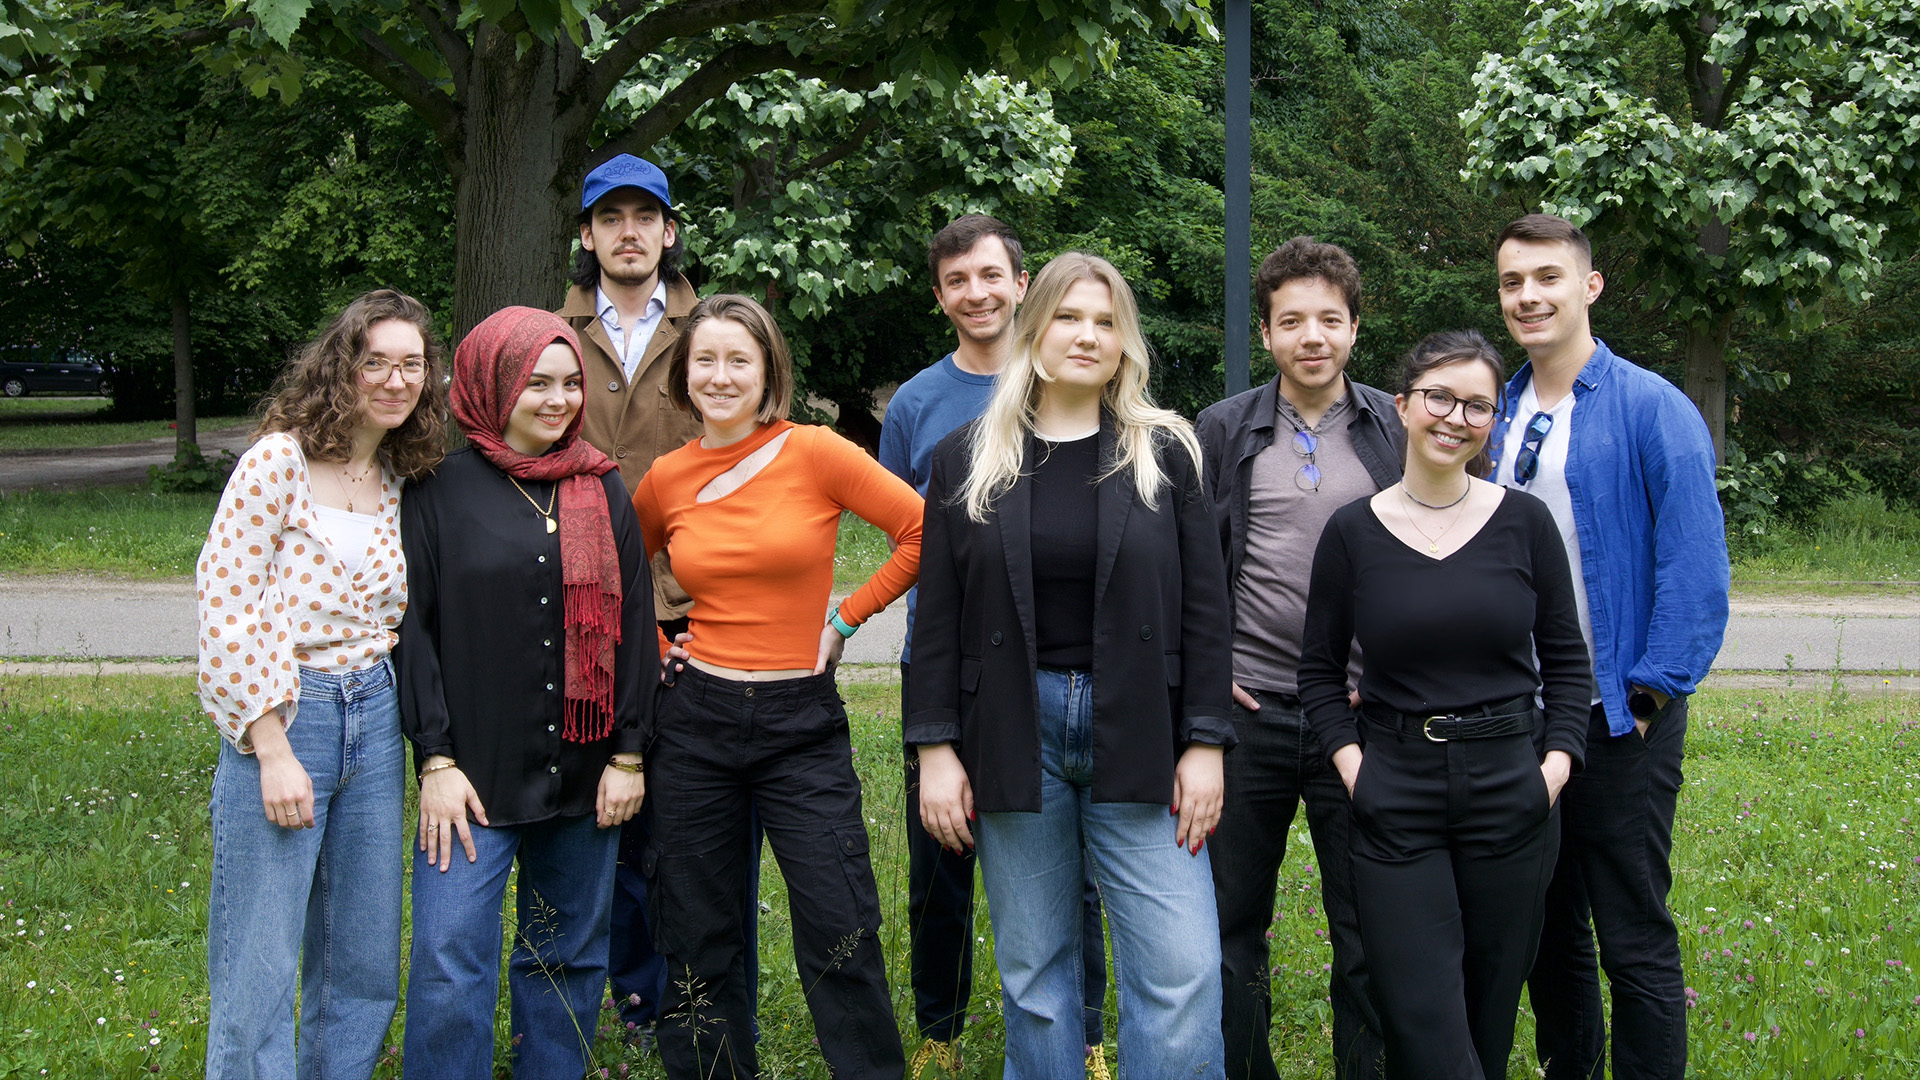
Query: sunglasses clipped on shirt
{"points": [[1526, 464]]}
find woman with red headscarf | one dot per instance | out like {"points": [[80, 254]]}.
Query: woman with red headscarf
{"points": [[527, 665]]}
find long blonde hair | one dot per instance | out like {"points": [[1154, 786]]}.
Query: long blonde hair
{"points": [[999, 440]]}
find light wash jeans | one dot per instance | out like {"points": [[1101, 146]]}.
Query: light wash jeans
{"points": [[1160, 910], [563, 904], [322, 904]]}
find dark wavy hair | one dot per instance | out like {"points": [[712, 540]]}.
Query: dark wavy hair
{"points": [[1305, 257], [317, 399], [585, 271], [1458, 347], [776, 399]]}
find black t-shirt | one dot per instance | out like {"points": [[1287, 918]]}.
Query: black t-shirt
{"points": [[1446, 634], [1065, 526]]}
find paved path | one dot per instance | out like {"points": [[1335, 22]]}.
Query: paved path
{"points": [[91, 466], [85, 618]]}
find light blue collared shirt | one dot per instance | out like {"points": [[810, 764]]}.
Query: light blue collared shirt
{"points": [[630, 350]]}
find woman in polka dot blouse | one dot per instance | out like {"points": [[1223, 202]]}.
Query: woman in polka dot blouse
{"points": [[301, 587]]}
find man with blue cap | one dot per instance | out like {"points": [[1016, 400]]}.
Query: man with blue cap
{"points": [[627, 303]]}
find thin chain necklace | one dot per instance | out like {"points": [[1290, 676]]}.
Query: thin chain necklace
{"points": [[340, 470], [1433, 540], [545, 515]]}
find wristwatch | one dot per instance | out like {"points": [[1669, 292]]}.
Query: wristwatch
{"points": [[1642, 705]]}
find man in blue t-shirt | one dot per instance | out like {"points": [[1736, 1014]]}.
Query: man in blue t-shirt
{"points": [[978, 280]]}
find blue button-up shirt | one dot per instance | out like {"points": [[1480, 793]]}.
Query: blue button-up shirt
{"points": [[1653, 543]]}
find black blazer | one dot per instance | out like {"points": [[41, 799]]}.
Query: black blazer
{"points": [[1162, 643]]}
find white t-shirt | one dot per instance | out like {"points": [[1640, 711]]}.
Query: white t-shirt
{"points": [[347, 535], [1549, 485]]}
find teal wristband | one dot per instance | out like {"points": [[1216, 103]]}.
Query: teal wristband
{"points": [[834, 620]]}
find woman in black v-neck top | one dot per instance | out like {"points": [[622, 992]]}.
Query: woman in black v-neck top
{"points": [[1460, 597]]}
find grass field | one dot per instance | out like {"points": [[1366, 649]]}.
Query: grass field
{"points": [[1797, 859], [34, 423]]}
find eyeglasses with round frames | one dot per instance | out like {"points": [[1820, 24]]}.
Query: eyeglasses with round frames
{"points": [[375, 370], [1440, 404]]}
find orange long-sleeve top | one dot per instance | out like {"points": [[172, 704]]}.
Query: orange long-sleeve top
{"points": [[758, 561]]}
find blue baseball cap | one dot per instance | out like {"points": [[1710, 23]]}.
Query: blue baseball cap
{"points": [[625, 170]]}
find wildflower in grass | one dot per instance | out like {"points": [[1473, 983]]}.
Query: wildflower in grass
{"points": [[1859, 1033], [1753, 1036]]}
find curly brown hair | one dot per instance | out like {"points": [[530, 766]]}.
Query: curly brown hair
{"points": [[317, 399]]}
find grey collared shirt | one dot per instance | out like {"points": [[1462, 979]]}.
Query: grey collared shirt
{"points": [[630, 349]]}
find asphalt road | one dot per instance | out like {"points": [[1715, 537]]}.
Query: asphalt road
{"points": [[86, 618], [91, 466]]}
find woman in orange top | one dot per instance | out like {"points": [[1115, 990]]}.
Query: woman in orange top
{"points": [[748, 514]]}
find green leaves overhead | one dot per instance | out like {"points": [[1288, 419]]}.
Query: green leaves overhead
{"points": [[1809, 156]]}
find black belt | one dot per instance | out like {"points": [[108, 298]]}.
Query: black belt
{"points": [[1490, 721]]}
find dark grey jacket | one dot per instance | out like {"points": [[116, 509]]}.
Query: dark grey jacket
{"points": [[1233, 432]]}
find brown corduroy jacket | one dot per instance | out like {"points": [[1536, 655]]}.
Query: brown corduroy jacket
{"points": [[634, 422]]}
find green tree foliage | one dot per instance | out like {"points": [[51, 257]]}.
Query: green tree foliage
{"points": [[515, 91], [1783, 162]]}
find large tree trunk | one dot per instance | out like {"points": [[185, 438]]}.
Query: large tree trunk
{"points": [[1707, 349], [516, 182], [185, 443], [1707, 376]]}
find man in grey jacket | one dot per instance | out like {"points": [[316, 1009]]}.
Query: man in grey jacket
{"points": [[1280, 459]]}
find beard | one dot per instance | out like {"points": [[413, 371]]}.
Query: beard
{"points": [[629, 275]]}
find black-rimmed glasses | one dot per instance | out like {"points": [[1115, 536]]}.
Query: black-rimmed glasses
{"points": [[1440, 404], [1307, 477], [1526, 464]]}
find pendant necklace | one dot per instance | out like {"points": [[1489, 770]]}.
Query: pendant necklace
{"points": [[340, 470], [545, 515], [1433, 541]]}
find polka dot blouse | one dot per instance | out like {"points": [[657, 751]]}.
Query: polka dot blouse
{"points": [[273, 598]]}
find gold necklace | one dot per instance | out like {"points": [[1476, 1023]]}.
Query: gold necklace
{"points": [[340, 470], [545, 515], [1433, 541]]}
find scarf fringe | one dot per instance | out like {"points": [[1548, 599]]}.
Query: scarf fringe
{"points": [[593, 629]]}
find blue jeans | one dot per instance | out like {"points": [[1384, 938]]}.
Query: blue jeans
{"points": [[563, 904], [343, 942], [1160, 909]]}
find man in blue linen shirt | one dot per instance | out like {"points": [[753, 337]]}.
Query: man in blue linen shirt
{"points": [[1624, 462]]}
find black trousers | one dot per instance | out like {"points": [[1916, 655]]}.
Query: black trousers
{"points": [[783, 747], [1612, 880], [1277, 764], [636, 971], [1453, 848], [940, 925]]}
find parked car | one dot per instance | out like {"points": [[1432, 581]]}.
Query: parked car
{"points": [[41, 369]]}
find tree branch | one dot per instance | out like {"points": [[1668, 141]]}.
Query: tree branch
{"points": [[378, 61], [712, 80], [451, 43], [119, 52], [682, 20], [846, 146]]}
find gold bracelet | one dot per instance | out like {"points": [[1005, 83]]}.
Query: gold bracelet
{"points": [[448, 764], [628, 766]]}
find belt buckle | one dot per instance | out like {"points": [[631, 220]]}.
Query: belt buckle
{"points": [[1426, 728]]}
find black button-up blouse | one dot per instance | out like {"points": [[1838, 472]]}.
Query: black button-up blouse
{"points": [[481, 654]]}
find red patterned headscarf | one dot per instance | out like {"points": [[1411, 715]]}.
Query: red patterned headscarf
{"points": [[490, 369]]}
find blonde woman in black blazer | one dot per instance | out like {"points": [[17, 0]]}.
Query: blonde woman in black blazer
{"points": [[1071, 672]]}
